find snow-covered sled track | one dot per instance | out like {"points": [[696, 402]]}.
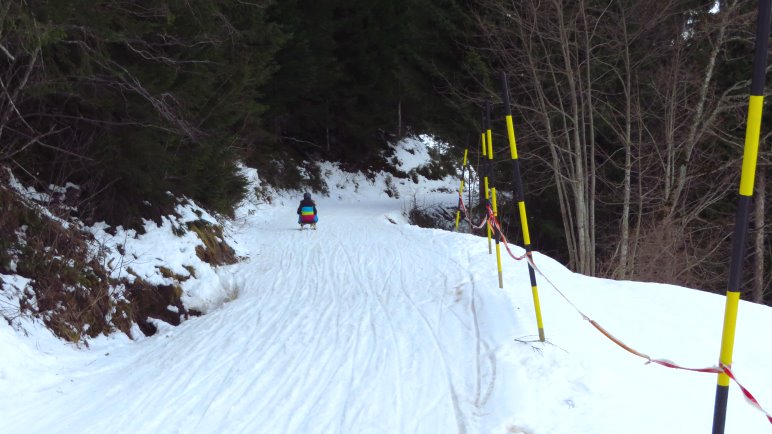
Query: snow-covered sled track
{"points": [[337, 290]]}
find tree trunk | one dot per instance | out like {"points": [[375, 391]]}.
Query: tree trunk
{"points": [[697, 127], [579, 180], [758, 247], [625, 229], [399, 119], [590, 137]]}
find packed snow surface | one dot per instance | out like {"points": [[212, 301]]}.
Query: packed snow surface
{"points": [[371, 325]]}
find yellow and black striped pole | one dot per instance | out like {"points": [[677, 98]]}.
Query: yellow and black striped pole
{"points": [[497, 234], [496, 231], [520, 197], [750, 156], [485, 170], [461, 189]]}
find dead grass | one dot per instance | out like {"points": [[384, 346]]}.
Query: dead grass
{"points": [[70, 290], [215, 250]]}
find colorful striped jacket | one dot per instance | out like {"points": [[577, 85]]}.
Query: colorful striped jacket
{"points": [[307, 212]]}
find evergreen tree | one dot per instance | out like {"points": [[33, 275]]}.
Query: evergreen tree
{"points": [[145, 99], [355, 76]]}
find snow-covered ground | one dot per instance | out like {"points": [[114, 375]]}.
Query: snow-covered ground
{"points": [[371, 325]]}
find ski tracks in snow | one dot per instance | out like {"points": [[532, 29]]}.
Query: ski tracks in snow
{"points": [[379, 311], [357, 327]]}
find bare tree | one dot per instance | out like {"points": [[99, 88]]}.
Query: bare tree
{"points": [[644, 78], [554, 38]]}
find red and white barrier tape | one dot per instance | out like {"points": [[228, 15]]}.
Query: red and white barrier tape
{"points": [[750, 398], [493, 222], [712, 370], [462, 208]]}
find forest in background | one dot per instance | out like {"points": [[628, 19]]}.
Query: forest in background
{"points": [[629, 115]]}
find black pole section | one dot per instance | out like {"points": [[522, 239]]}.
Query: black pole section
{"points": [[750, 156], [469, 190], [489, 190], [484, 163], [491, 171], [494, 205]]}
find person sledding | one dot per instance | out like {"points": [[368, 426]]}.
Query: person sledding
{"points": [[307, 212]]}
